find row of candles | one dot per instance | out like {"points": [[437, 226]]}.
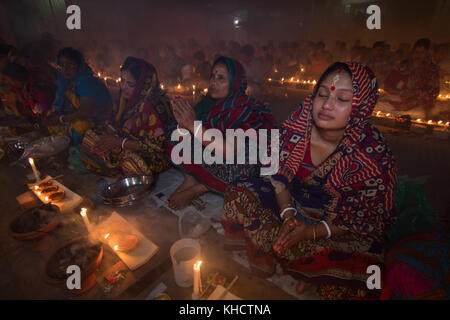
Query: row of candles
{"points": [[440, 123]]}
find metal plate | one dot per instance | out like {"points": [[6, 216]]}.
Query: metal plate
{"points": [[127, 191], [46, 147]]}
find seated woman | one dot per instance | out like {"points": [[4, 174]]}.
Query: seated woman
{"points": [[413, 85], [324, 214], [82, 100], [132, 142], [26, 99], [225, 107]]}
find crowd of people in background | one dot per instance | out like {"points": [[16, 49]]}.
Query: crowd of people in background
{"points": [[411, 74]]}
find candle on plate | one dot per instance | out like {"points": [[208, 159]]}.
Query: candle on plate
{"points": [[36, 174], [85, 219], [197, 280]]}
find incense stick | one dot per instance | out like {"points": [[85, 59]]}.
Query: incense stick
{"points": [[227, 288]]}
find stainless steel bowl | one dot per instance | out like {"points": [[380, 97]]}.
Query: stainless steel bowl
{"points": [[127, 191]]}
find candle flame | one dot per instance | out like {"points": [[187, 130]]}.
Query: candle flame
{"points": [[314, 81], [39, 193], [430, 121], [46, 199], [292, 78], [270, 79], [116, 247], [193, 86], [378, 113], [83, 211], [99, 74], [282, 79], [197, 265], [36, 187], [447, 123], [107, 235], [179, 86], [31, 161], [205, 90], [418, 120], [162, 86], [388, 114], [104, 78], [440, 122]]}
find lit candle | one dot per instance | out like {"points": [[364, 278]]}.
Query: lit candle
{"points": [[197, 280], [36, 175], [85, 219]]}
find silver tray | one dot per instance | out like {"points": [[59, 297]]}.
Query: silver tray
{"points": [[127, 191]]}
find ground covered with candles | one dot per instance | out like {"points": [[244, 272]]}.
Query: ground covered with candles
{"points": [[34, 260]]}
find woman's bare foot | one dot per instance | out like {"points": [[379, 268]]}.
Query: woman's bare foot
{"points": [[180, 200], [303, 286], [188, 182]]}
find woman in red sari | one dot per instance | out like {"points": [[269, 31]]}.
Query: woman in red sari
{"points": [[132, 142], [225, 107], [324, 214]]}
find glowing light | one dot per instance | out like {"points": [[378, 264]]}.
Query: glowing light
{"points": [[107, 235], [292, 78], [236, 21], [430, 121], [46, 199], [205, 90], [36, 187], [197, 265], [440, 122], [314, 82], [162, 86], [83, 212], [99, 74], [388, 114], [179, 86], [31, 161], [419, 120], [116, 247], [378, 113], [270, 79]]}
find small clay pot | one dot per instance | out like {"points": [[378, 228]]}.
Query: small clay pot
{"points": [[49, 190], [87, 273], [35, 234], [57, 196], [43, 185]]}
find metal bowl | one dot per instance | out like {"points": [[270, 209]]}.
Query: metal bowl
{"points": [[127, 191]]}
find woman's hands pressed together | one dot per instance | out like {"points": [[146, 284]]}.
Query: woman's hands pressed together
{"points": [[184, 113], [292, 232]]}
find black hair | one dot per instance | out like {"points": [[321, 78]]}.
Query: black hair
{"points": [[5, 49], [248, 50], [334, 67], [199, 55], [71, 54], [424, 43], [134, 65], [16, 71]]}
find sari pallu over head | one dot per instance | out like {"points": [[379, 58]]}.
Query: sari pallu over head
{"points": [[238, 110], [359, 177], [148, 110]]}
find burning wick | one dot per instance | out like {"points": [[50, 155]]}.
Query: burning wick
{"points": [[116, 247], [39, 193], [36, 187], [46, 199], [430, 121], [197, 280], [107, 235], [419, 120], [179, 86], [83, 214]]}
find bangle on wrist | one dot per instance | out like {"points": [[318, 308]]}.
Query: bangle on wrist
{"points": [[282, 214], [123, 142], [328, 229], [61, 119]]}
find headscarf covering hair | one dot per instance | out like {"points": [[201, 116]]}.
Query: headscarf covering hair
{"points": [[238, 110], [84, 71], [361, 174]]}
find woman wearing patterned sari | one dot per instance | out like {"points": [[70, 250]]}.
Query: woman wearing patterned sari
{"points": [[132, 143], [324, 214], [81, 101], [225, 107]]}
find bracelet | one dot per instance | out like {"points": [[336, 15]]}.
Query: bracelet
{"points": [[123, 142], [287, 209], [61, 119], [327, 227]]}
